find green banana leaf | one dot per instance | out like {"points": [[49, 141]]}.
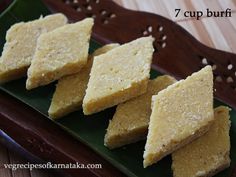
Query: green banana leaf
{"points": [[89, 129]]}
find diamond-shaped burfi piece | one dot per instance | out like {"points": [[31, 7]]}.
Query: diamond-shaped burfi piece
{"points": [[61, 52], [119, 75], [180, 113]]}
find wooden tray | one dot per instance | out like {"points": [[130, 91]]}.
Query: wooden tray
{"points": [[42, 137]]}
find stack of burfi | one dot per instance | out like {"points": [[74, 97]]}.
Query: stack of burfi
{"points": [[207, 155], [21, 41], [70, 90], [130, 121], [176, 117]]}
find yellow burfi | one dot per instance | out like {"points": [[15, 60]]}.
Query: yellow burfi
{"points": [[180, 113], [20, 45], [119, 75], [61, 52], [130, 121], [207, 155], [70, 90]]}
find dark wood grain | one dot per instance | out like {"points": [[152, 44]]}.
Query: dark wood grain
{"points": [[233, 173], [4, 4], [48, 141]]}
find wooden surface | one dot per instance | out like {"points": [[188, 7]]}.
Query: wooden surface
{"points": [[214, 32], [7, 157]]}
